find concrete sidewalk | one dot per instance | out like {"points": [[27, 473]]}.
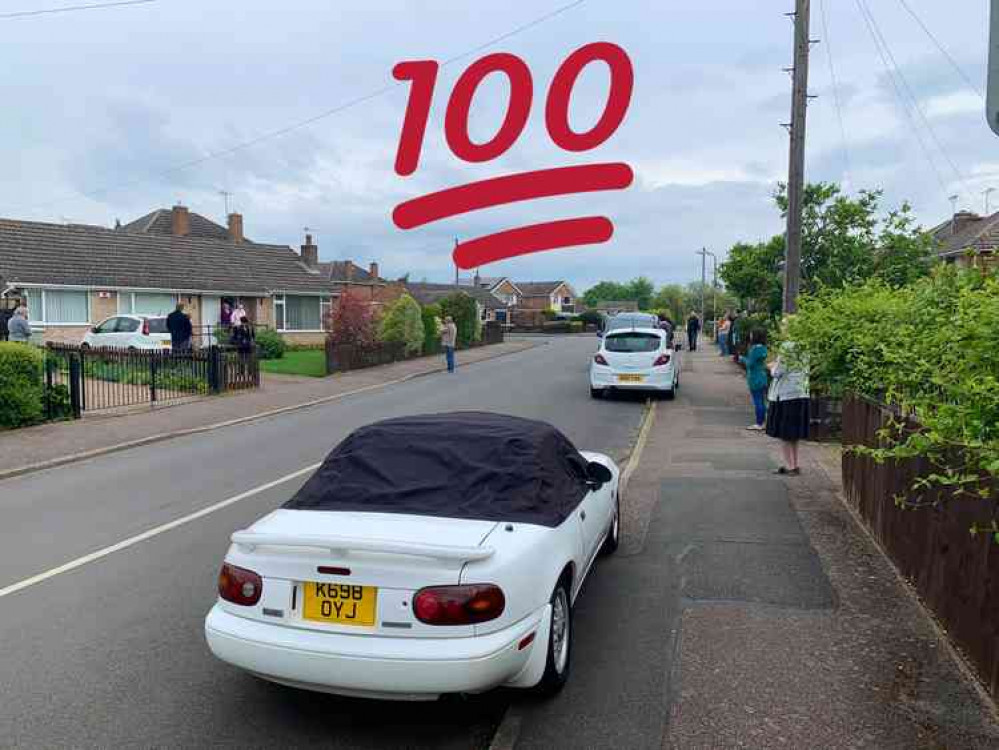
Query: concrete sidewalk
{"points": [[52, 444], [790, 629]]}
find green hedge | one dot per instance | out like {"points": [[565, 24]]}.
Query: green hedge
{"points": [[929, 350], [21, 385]]}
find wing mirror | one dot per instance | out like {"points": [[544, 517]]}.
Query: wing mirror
{"points": [[597, 474]]}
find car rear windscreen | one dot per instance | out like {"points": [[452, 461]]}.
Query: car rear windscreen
{"points": [[157, 325], [632, 342]]}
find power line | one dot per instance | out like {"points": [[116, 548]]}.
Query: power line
{"points": [[835, 85], [915, 102], [901, 99], [69, 8], [310, 120], [943, 50]]}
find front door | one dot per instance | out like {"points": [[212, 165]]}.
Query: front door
{"points": [[211, 313]]}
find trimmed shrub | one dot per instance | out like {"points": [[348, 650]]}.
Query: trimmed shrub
{"points": [[403, 324], [591, 317], [270, 345], [431, 328], [465, 312], [21, 385], [351, 322]]}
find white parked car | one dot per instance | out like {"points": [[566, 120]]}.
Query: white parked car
{"points": [[428, 555], [635, 359], [129, 332]]}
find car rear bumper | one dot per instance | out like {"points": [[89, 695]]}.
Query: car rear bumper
{"points": [[654, 379], [372, 666]]}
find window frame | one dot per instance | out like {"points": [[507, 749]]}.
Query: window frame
{"points": [[43, 320], [280, 301]]}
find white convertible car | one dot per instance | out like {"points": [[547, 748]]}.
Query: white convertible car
{"points": [[427, 555]]}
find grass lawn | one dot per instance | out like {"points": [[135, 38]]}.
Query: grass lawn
{"points": [[310, 362]]}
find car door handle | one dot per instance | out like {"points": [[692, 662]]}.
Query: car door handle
{"points": [[582, 514]]}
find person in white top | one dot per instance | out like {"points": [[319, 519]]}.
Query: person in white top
{"points": [[789, 400]]}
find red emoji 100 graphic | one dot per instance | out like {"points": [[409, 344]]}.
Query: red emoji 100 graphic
{"points": [[522, 186]]}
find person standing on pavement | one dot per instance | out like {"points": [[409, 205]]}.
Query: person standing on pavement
{"points": [[242, 339], [179, 326], [755, 361], [788, 407], [449, 338], [693, 328], [723, 329], [18, 327]]}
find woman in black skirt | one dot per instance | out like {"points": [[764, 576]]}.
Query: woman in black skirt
{"points": [[787, 415]]}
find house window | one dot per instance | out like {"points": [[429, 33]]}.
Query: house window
{"points": [[136, 303], [62, 307], [294, 313]]}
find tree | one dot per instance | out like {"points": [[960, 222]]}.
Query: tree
{"points": [[403, 323], [843, 243], [605, 290], [670, 299], [352, 321], [640, 290]]}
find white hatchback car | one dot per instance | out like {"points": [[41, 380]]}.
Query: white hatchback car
{"points": [[428, 555], [641, 359], [129, 332]]}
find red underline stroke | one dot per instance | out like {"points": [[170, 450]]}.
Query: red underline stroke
{"points": [[498, 191], [588, 230]]}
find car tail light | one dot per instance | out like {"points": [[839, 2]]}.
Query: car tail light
{"points": [[239, 585], [459, 605], [599, 359], [145, 327], [661, 361]]}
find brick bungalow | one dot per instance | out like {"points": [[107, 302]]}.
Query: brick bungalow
{"points": [[968, 239], [541, 295], [73, 276]]}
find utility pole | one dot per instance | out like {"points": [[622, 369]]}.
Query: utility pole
{"points": [[796, 162], [703, 252], [456, 263], [987, 192]]}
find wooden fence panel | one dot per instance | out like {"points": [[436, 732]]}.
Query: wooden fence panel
{"points": [[956, 575]]}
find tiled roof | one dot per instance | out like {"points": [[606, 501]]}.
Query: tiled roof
{"points": [[37, 253], [538, 288], [427, 293], [160, 221], [336, 271], [974, 232]]}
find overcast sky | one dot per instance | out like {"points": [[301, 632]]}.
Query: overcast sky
{"points": [[99, 107]]}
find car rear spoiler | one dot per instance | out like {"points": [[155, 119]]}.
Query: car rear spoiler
{"points": [[248, 540]]}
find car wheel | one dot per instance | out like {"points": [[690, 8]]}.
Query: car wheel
{"points": [[85, 346], [597, 392], [559, 642], [670, 394], [614, 535]]}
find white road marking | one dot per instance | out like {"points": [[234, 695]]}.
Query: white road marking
{"points": [[149, 534]]}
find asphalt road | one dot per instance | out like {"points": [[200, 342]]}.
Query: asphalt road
{"points": [[111, 654]]}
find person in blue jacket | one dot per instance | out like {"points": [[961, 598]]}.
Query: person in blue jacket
{"points": [[755, 361]]}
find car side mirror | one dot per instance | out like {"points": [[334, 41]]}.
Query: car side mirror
{"points": [[598, 474], [600, 334], [94, 329]]}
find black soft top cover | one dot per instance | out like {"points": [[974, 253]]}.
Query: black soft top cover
{"points": [[460, 465]]}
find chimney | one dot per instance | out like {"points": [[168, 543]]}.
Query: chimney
{"points": [[236, 228], [373, 270], [348, 270], [180, 221], [962, 219], [310, 252]]}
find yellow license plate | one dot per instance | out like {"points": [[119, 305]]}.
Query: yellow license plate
{"points": [[630, 378], [340, 603], [165, 344]]}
